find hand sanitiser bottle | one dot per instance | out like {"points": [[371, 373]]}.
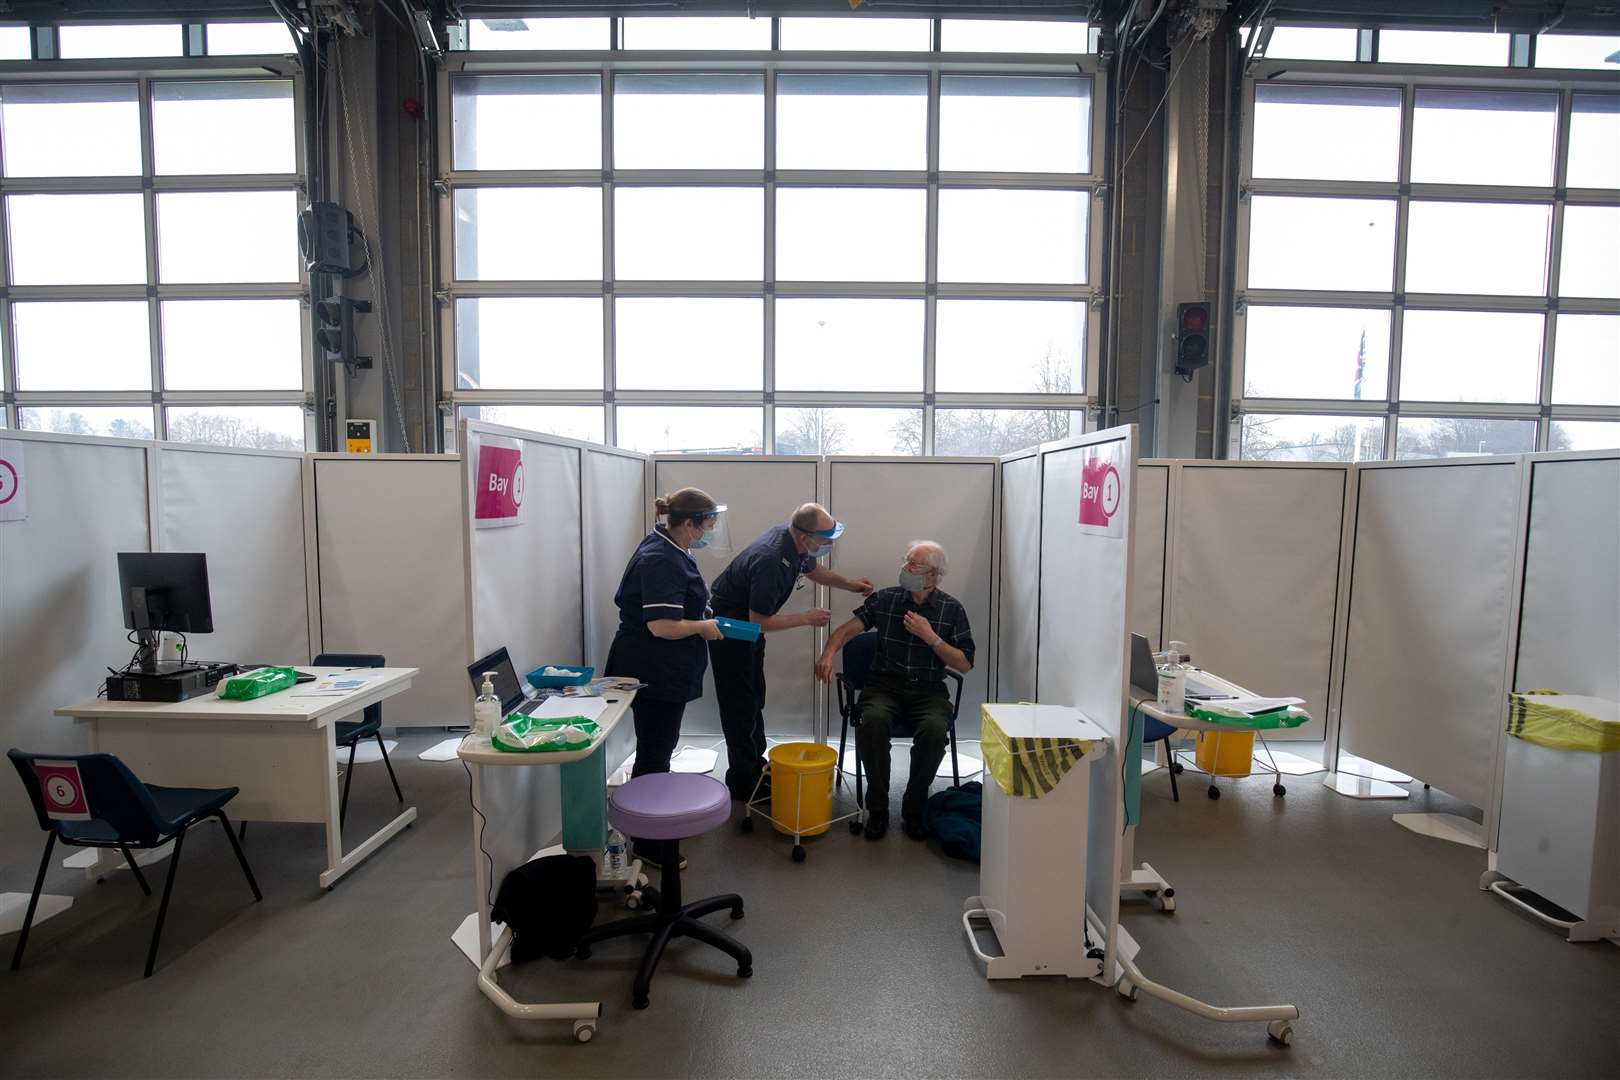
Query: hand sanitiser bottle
{"points": [[1173, 684], [487, 708]]}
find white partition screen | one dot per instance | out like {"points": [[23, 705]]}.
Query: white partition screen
{"points": [[1151, 544], [1085, 582], [61, 621], [1018, 603], [1431, 598], [887, 503], [245, 511], [1569, 625], [760, 492], [527, 579], [616, 510], [389, 542], [1254, 576]]}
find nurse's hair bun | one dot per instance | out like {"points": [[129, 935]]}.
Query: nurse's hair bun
{"points": [[684, 505]]}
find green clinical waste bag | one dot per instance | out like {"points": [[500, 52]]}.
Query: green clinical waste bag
{"points": [[257, 683], [1565, 721], [525, 735]]}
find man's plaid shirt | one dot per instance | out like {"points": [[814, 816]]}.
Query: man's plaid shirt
{"points": [[902, 653]]}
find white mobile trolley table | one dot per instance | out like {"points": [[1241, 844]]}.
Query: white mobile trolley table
{"points": [[1032, 863], [279, 749], [584, 805]]}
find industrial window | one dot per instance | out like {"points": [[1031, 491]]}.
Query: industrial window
{"points": [[841, 247], [152, 279], [1427, 270]]}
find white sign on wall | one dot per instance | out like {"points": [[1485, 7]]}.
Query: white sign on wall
{"points": [[1102, 489], [13, 493]]}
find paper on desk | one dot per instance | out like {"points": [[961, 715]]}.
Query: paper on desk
{"points": [[559, 707], [333, 685], [1252, 705]]}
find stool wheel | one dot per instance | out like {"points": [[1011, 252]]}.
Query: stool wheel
{"points": [[1178, 768], [584, 1032], [737, 912], [745, 972], [1214, 792], [855, 826], [798, 853], [1278, 790], [639, 1003], [746, 824]]}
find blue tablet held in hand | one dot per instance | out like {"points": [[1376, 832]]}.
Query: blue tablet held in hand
{"points": [[738, 629]]}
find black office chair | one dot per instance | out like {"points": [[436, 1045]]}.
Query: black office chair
{"points": [[66, 789], [857, 653], [349, 733]]}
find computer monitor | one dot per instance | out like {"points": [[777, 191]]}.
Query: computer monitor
{"points": [[161, 591]]}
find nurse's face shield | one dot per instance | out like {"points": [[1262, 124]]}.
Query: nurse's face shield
{"points": [[715, 539]]}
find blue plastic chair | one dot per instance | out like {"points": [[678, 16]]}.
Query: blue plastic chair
{"points": [[126, 814], [857, 655], [349, 733], [1154, 730]]}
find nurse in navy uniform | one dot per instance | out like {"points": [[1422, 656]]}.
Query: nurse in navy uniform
{"points": [[664, 619]]}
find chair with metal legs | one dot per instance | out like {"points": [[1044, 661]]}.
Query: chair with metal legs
{"points": [[93, 800], [369, 725]]}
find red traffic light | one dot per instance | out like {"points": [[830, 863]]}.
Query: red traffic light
{"points": [[1194, 318]]}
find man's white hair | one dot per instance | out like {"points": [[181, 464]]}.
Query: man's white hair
{"points": [[933, 553]]}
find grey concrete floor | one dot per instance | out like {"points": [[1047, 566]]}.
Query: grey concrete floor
{"points": [[1399, 965]]}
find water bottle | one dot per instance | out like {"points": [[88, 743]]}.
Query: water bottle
{"points": [[487, 708], [613, 864], [1173, 684]]}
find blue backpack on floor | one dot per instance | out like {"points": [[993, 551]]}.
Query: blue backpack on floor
{"points": [[954, 817]]}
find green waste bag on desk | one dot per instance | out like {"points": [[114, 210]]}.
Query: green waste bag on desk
{"points": [[1565, 721], [1212, 713], [526, 735], [257, 683]]}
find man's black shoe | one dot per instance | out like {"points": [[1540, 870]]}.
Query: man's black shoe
{"points": [[912, 828], [877, 823]]}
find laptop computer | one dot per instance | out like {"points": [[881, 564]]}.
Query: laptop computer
{"points": [[516, 696], [1145, 675]]}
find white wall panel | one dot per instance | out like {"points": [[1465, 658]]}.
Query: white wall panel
{"points": [[1569, 635], [760, 492], [1083, 659], [1255, 577], [246, 513], [887, 504], [1149, 539], [528, 578], [616, 510], [1431, 594], [61, 621], [1019, 600], [389, 537]]}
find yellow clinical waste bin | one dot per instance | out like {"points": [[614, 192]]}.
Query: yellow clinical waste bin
{"points": [[1225, 753], [801, 787]]}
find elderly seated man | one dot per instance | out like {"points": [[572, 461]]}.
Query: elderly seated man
{"points": [[921, 631]]}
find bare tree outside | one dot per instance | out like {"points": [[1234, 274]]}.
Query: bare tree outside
{"points": [[814, 431], [993, 432]]}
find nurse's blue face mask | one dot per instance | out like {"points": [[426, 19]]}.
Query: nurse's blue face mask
{"points": [[703, 538]]}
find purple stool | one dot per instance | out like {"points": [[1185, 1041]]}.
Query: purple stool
{"points": [[671, 807]]}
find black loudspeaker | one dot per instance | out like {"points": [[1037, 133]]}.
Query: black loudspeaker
{"points": [[324, 233]]}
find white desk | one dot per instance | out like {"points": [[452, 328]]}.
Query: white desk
{"points": [[1144, 879], [280, 750], [586, 789]]}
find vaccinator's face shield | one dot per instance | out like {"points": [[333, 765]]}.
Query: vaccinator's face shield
{"points": [[821, 544], [715, 539]]}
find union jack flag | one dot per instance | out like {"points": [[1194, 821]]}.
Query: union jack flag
{"points": [[1361, 364]]}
